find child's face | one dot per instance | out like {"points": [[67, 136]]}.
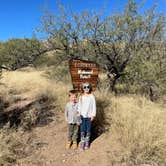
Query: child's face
{"points": [[86, 91], [86, 88], [73, 98]]}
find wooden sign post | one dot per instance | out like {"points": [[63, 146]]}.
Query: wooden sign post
{"points": [[83, 71]]}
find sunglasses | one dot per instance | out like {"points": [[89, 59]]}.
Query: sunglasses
{"points": [[86, 87]]}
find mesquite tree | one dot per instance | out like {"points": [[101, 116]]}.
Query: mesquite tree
{"points": [[16, 53], [113, 41]]}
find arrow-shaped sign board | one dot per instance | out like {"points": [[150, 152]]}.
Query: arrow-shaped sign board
{"points": [[83, 71]]}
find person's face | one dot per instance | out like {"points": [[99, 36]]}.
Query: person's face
{"points": [[86, 88], [73, 97]]}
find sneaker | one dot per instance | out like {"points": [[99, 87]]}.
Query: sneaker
{"points": [[68, 144], [86, 145], [74, 145], [82, 145]]}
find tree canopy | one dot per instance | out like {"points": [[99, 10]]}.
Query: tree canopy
{"points": [[128, 46]]}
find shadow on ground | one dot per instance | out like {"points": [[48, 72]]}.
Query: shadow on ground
{"points": [[26, 113], [101, 122]]}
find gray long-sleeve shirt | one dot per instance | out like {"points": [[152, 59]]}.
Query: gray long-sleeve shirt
{"points": [[71, 114]]}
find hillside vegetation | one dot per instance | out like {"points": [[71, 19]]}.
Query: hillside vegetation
{"points": [[134, 122]]}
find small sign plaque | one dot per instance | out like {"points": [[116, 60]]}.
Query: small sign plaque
{"points": [[83, 71]]}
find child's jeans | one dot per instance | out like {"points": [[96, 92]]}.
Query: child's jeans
{"points": [[85, 128], [85, 125]]}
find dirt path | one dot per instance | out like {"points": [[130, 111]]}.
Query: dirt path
{"points": [[52, 151]]}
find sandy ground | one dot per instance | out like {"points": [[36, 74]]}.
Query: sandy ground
{"points": [[53, 153]]}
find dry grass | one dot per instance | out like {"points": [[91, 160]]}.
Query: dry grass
{"points": [[140, 125], [33, 85], [22, 82], [11, 146], [47, 97]]}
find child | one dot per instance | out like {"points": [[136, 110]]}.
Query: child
{"points": [[87, 110], [71, 116]]}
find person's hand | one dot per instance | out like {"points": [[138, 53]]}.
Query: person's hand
{"points": [[78, 123], [92, 118]]}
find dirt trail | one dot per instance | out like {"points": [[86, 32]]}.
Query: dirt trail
{"points": [[53, 153]]}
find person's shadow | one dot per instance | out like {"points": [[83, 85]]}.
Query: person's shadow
{"points": [[99, 125]]}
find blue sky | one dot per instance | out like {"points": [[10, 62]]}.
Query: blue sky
{"points": [[19, 18]]}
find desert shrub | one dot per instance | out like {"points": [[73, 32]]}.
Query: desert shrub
{"points": [[59, 73], [45, 61], [40, 112], [17, 53]]}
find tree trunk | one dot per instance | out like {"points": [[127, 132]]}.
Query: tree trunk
{"points": [[112, 82]]}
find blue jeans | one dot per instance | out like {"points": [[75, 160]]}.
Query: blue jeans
{"points": [[85, 128]]}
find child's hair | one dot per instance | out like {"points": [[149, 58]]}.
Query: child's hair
{"points": [[82, 87], [72, 92]]}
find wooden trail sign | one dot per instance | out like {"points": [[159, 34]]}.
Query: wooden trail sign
{"points": [[83, 71]]}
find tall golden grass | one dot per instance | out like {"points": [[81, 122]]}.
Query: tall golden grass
{"points": [[33, 84], [140, 125]]}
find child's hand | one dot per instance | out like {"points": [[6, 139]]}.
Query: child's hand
{"points": [[92, 118], [78, 123]]}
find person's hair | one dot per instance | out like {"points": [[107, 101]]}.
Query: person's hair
{"points": [[82, 87], [72, 92]]}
